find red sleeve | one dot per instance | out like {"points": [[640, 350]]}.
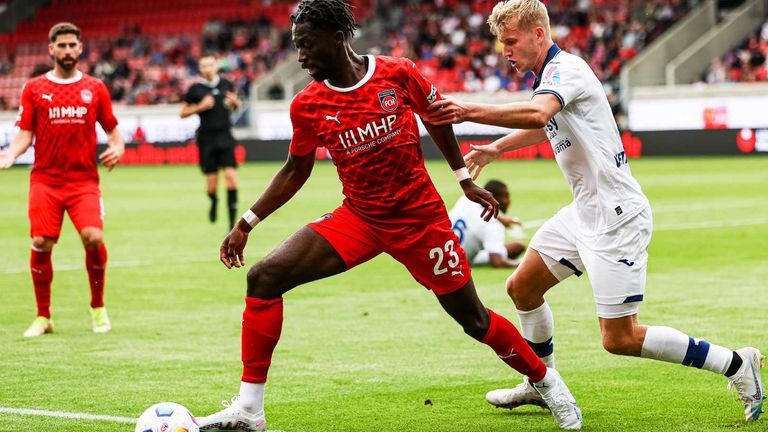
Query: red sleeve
{"points": [[26, 118], [304, 138], [421, 90], [106, 116]]}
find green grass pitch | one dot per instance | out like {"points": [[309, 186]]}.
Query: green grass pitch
{"points": [[365, 350]]}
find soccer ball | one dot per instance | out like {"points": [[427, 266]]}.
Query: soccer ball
{"points": [[167, 417]]}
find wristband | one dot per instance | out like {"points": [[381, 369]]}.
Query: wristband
{"points": [[462, 174], [250, 218]]}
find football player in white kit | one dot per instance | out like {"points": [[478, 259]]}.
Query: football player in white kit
{"points": [[605, 231], [484, 242]]}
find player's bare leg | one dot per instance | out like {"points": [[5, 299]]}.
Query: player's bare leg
{"points": [[230, 179], [211, 184], [304, 257], [624, 336], [41, 268], [497, 332], [96, 265], [527, 286]]}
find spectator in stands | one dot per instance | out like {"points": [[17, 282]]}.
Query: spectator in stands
{"points": [[276, 90]]}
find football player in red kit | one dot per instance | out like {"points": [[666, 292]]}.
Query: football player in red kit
{"points": [[361, 108], [60, 110]]}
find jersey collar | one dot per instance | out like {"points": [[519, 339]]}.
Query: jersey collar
{"points": [[51, 77], [368, 75], [553, 51], [211, 84]]}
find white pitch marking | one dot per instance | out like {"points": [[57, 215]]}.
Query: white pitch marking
{"points": [[76, 416], [68, 415], [709, 224]]}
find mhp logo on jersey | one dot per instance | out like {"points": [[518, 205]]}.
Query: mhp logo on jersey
{"points": [[388, 100], [86, 95]]}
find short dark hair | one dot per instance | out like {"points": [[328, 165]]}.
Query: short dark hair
{"points": [[63, 28], [329, 14], [495, 187]]}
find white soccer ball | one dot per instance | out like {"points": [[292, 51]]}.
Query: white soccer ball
{"points": [[167, 417]]}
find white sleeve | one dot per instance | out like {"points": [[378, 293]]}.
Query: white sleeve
{"points": [[493, 238], [563, 80]]}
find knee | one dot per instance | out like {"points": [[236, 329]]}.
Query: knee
{"points": [[264, 281], [522, 293], [516, 291], [91, 238], [43, 243], [477, 326], [620, 344]]}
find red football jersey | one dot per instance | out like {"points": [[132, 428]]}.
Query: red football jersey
{"points": [[372, 135], [62, 115]]}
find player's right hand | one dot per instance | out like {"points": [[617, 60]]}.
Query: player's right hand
{"points": [[483, 197], [231, 251], [207, 103], [480, 156], [6, 160]]}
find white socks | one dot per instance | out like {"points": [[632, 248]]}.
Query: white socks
{"points": [[251, 398], [670, 345], [538, 328]]}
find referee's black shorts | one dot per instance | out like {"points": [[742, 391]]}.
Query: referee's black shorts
{"points": [[217, 150]]}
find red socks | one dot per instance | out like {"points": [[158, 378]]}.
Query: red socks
{"points": [[510, 346], [262, 323], [42, 274], [95, 264]]}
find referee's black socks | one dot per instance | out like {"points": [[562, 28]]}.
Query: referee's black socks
{"points": [[232, 205]]}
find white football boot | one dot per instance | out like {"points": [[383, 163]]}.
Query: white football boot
{"points": [[232, 418], [523, 394], [749, 382], [40, 326], [560, 400], [100, 320]]}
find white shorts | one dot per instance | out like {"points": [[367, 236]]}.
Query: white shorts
{"points": [[482, 258], [616, 261]]}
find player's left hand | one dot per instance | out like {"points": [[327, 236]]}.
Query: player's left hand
{"points": [[111, 156], [231, 251], [445, 111], [483, 197]]}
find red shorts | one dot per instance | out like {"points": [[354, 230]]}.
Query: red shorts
{"points": [[47, 203], [431, 252]]}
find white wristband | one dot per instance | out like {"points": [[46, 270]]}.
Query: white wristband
{"points": [[251, 218], [461, 174]]}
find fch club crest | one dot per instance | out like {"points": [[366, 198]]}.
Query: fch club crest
{"points": [[388, 100], [86, 96]]}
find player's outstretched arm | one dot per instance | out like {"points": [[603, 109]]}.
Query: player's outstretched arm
{"points": [[445, 140], [282, 188], [115, 149], [533, 114], [482, 155], [19, 144]]}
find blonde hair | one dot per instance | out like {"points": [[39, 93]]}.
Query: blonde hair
{"points": [[527, 13]]}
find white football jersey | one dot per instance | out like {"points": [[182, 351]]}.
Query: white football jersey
{"points": [[587, 145], [473, 232]]}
